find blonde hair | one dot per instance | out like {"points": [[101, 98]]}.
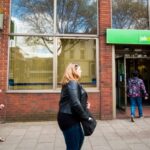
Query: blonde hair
{"points": [[70, 73]]}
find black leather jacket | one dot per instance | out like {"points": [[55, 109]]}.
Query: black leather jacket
{"points": [[74, 100]]}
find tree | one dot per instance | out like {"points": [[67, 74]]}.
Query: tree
{"points": [[72, 16], [130, 14]]}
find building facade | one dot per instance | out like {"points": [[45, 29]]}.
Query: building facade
{"points": [[39, 38]]}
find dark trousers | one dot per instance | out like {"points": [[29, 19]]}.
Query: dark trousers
{"points": [[74, 137]]}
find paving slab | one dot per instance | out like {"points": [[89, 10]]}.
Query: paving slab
{"points": [[117, 134]]}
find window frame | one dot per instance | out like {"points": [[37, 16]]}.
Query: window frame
{"points": [[55, 36]]}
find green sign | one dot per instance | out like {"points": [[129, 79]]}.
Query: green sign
{"points": [[128, 36]]}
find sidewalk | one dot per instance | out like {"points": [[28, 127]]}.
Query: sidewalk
{"points": [[109, 135]]}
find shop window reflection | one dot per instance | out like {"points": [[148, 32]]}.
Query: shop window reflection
{"points": [[130, 14], [87, 64]]}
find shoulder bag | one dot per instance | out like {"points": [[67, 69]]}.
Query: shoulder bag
{"points": [[89, 125]]}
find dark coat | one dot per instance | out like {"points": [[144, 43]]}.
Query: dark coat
{"points": [[74, 100]]}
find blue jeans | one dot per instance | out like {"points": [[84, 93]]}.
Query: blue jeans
{"points": [[133, 102], [74, 137]]}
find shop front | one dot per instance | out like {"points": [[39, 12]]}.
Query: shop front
{"points": [[37, 42], [132, 52]]}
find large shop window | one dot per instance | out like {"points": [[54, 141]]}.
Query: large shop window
{"points": [[82, 51], [47, 35], [130, 14]]}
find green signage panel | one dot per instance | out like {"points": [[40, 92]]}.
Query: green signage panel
{"points": [[128, 36]]}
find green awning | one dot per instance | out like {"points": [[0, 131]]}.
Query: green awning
{"points": [[128, 36]]}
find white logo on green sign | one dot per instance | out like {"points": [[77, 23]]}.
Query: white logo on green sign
{"points": [[144, 39]]}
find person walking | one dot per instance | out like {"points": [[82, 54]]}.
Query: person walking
{"points": [[136, 90], [1, 107], [72, 108]]}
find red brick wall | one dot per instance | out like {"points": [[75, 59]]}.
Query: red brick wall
{"points": [[105, 61], [35, 106]]}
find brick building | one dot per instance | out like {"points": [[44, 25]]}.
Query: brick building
{"points": [[39, 38]]}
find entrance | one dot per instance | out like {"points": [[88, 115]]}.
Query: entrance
{"points": [[125, 64], [143, 66]]}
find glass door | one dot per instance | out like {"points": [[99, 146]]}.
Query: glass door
{"points": [[120, 84]]}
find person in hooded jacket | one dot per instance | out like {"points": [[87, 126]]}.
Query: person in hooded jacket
{"points": [[73, 107], [136, 89]]}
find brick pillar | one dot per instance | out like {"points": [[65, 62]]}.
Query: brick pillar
{"points": [[105, 52], [4, 7]]}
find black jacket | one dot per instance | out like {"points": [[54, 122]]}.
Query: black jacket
{"points": [[74, 100]]}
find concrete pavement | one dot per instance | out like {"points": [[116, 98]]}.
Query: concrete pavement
{"points": [[109, 135]]}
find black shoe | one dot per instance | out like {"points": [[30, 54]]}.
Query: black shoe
{"points": [[132, 119], [1, 139]]}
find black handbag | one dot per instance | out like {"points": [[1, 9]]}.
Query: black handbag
{"points": [[89, 125]]}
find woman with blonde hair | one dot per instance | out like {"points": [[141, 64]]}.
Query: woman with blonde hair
{"points": [[72, 108]]}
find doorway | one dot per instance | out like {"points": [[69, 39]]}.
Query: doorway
{"points": [[143, 67], [124, 68]]}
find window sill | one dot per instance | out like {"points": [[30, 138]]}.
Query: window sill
{"points": [[90, 90]]}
